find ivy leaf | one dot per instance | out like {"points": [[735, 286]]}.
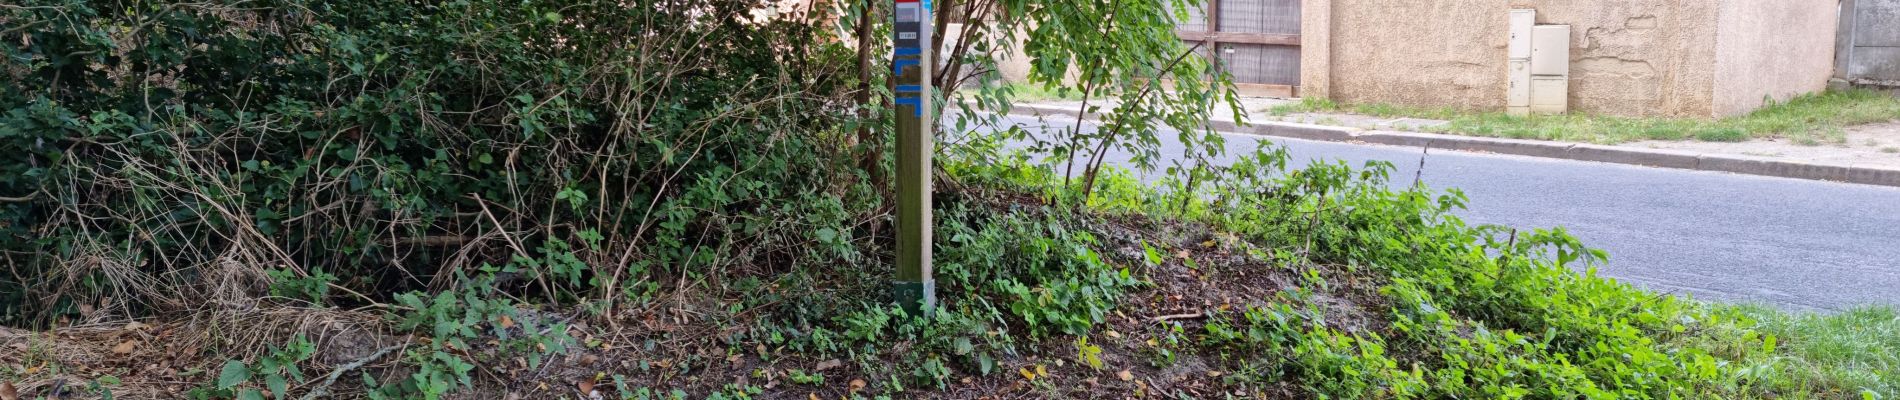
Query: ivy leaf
{"points": [[234, 373]]}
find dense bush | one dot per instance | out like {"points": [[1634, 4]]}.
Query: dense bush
{"points": [[447, 163], [173, 152]]}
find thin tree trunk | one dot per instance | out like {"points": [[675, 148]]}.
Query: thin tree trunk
{"points": [[873, 150]]}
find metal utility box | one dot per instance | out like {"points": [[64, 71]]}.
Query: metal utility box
{"points": [[1521, 22], [1550, 94], [1550, 50], [1520, 84]]}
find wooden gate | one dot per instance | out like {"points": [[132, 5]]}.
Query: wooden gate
{"points": [[1257, 41]]}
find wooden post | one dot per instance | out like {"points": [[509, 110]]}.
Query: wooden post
{"points": [[911, 62]]}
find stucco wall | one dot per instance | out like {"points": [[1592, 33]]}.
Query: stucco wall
{"points": [[1771, 50], [1628, 57]]}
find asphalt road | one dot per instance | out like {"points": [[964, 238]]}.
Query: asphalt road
{"points": [[1796, 244]]}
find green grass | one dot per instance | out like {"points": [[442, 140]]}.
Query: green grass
{"points": [[1809, 119], [1859, 348]]}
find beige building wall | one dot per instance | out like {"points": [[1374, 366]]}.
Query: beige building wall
{"points": [[1766, 51], [1628, 57]]}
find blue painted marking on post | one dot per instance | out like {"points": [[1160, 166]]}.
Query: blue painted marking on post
{"points": [[910, 88], [916, 104], [898, 66], [909, 51]]}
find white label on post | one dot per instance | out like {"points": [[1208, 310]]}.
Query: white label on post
{"points": [[909, 12]]}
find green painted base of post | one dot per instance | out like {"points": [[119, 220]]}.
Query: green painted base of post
{"points": [[916, 298]]}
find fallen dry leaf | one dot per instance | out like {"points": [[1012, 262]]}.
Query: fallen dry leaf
{"points": [[1125, 375], [1114, 334], [857, 384], [506, 322], [586, 386], [135, 325], [828, 364], [7, 392], [125, 348]]}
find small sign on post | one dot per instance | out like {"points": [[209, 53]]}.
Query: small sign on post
{"points": [[916, 289]]}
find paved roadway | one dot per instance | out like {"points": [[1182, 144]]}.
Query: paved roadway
{"points": [[1797, 244]]}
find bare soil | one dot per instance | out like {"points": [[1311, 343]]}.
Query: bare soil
{"points": [[166, 358]]}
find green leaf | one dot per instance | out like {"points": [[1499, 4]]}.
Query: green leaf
{"points": [[234, 373], [250, 394], [277, 385]]}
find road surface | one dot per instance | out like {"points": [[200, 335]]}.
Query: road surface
{"points": [[1796, 244]]}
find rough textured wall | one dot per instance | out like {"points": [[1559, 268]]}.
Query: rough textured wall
{"points": [[1628, 57], [1772, 50], [1647, 58], [1418, 53], [1316, 48]]}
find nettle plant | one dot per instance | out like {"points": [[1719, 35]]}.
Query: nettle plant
{"points": [[269, 376]]}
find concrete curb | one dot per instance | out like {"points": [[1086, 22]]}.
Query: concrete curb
{"points": [[1746, 165]]}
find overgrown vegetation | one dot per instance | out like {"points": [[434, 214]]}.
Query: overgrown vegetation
{"points": [[1811, 119], [1858, 348], [1018, 91], [671, 200]]}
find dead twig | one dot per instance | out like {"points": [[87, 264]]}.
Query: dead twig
{"points": [[1171, 317], [22, 199], [323, 389]]}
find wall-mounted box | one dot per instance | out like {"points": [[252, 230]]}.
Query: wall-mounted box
{"points": [[1519, 94], [1550, 94], [1550, 50], [1521, 22]]}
